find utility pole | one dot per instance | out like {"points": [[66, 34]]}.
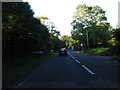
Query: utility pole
{"points": [[118, 14], [87, 39]]}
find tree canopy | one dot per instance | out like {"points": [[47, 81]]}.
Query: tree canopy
{"points": [[23, 33], [68, 41], [90, 21]]}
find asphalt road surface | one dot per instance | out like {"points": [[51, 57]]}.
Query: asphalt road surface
{"points": [[74, 71]]}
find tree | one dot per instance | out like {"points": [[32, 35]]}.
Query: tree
{"points": [[16, 29], [54, 43], [42, 19], [68, 41], [90, 19], [116, 35], [22, 33]]}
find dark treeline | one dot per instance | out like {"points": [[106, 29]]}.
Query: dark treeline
{"points": [[22, 33], [116, 40]]}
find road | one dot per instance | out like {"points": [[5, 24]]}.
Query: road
{"points": [[74, 71]]}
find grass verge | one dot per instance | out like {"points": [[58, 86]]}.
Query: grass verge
{"points": [[97, 51], [102, 52], [13, 73]]}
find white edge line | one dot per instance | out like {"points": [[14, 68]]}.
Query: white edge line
{"points": [[88, 70], [25, 80]]}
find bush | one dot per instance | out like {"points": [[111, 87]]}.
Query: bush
{"points": [[97, 51]]}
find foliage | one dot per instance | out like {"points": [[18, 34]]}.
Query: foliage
{"points": [[117, 34], [55, 42], [116, 41], [42, 19], [91, 19], [22, 33], [68, 41], [97, 51]]}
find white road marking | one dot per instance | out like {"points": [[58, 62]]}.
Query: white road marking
{"points": [[77, 61], [73, 57], [25, 79], [88, 70], [82, 65]]}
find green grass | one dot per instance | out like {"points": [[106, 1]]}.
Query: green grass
{"points": [[102, 52], [14, 73], [97, 51]]}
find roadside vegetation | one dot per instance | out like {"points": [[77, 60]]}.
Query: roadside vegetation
{"points": [[15, 71], [97, 51]]}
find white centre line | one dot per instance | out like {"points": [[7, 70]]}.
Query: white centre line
{"points": [[73, 57], [83, 65], [77, 61], [88, 70]]}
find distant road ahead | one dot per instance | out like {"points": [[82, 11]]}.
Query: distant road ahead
{"points": [[74, 71]]}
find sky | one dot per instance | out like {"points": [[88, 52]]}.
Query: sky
{"points": [[60, 12]]}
